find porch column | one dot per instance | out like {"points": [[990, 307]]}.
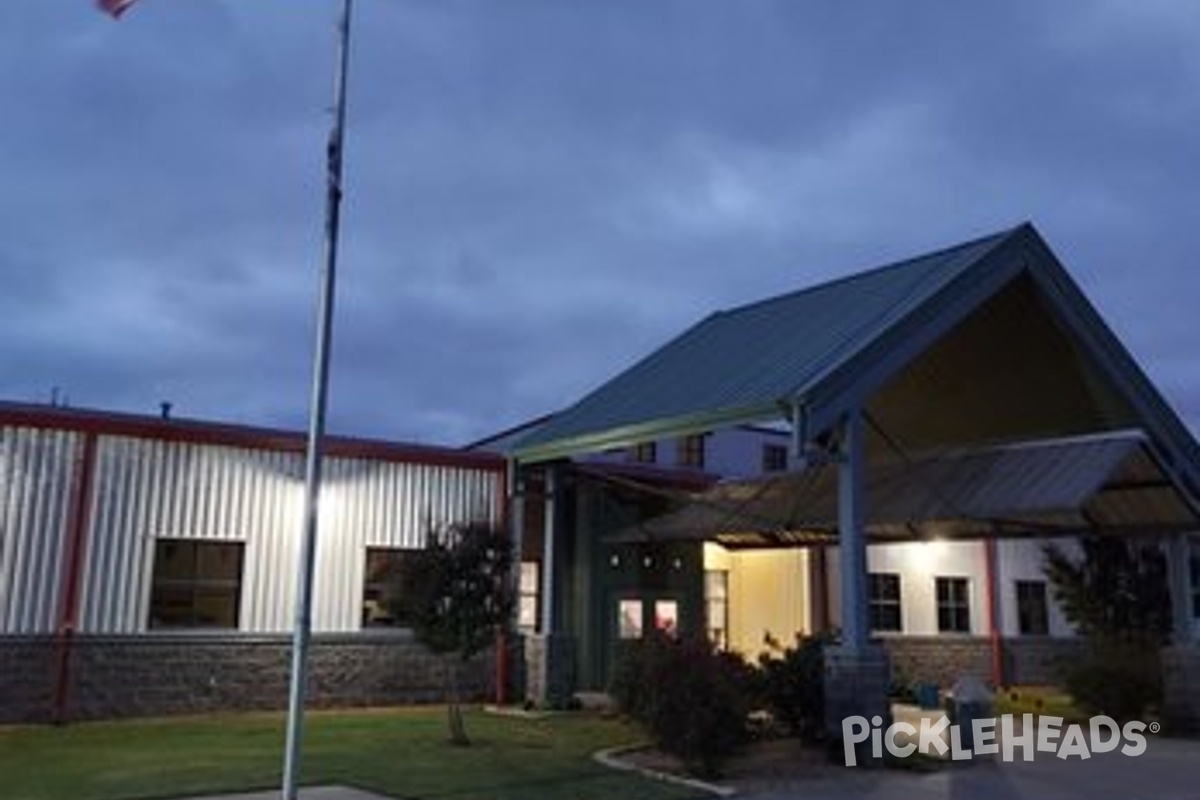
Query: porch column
{"points": [[550, 655], [1179, 579], [549, 621], [856, 669], [1181, 658], [851, 540], [510, 649]]}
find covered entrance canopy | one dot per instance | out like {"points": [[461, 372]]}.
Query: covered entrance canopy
{"points": [[1055, 487], [971, 392], [985, 344]]}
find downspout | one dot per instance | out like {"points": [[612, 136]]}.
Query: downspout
{"points": [[994, 632], [77, 526]]}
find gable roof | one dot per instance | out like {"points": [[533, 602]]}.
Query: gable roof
{"points": [[823, 350], [736, 365]]}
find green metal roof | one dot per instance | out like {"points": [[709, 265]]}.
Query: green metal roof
{"points": [[747, 363]]}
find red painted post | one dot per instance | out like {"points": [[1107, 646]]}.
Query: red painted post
{"points": [[73, 560], [994, 614]]}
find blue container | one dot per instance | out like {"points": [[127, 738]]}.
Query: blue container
{"points": [[927, 695]]}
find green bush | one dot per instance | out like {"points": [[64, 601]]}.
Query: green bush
{"points": [[1117, 676], [792, 687], [691, 699]]}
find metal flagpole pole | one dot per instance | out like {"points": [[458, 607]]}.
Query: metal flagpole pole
{"points": [[316, 423]]}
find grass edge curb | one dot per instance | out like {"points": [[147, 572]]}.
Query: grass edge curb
{"points": [[611, 757]]}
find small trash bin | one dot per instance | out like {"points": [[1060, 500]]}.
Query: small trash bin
{"points": [[972, 701], [926, 695]]}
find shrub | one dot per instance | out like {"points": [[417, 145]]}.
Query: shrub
{"points": [[792, 687], [691, 699], [1117, 676], [1116, 595]]}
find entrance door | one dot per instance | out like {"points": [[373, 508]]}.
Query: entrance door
{"points": [[633, 616]]}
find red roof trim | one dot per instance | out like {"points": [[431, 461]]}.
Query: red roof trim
{"points": [[216, 433]]}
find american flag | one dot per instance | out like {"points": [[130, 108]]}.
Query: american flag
{"points": [[115, 7]]}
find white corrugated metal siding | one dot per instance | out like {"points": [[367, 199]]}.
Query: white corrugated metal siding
{"points": [[36, 468], [150, 489], [382, 504]]}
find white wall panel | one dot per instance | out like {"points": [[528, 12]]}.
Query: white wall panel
{"points": [[36, 468], [368, 503], [146, 490]]}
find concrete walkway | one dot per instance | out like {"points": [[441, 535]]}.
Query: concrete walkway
{"points": [[1168, 770]]}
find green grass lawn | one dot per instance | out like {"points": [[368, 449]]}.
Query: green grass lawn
{"points": [[398, 752]]}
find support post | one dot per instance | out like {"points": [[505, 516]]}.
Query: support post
{"points": [[856, 669], [851, 536], [550, 655], [549, 584], [78, 522], [1179, 579], [1181, 658], [995, 618], [513, 516]]}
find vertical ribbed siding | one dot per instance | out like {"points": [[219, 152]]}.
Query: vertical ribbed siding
{"points": [[36, 469], [368, 503], [151, 489]]}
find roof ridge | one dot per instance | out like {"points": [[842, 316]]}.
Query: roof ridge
{"points": [[998, 237]]}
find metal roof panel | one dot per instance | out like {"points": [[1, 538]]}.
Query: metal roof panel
{"points": [[754, 357]]}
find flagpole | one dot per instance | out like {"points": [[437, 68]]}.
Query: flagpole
{"points": [[316, 424]]}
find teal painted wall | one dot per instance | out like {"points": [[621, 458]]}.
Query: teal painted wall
{"points": [[598, 574]]}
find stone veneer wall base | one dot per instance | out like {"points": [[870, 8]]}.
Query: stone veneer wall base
{"points": [[153, 675], [1028, 660]]}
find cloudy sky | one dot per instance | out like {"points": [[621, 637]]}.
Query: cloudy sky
{"points": [[540, 191]]}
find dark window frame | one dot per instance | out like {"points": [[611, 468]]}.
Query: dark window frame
{"points": [[376, 588], [885, 605], [689, 451], [952, 595], [194, 585], [1033, 607], [644, 453], [774, 457]]}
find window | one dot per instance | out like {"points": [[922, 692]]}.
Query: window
{"points": [[690, 451], [953, 605], [196, 584], [1033, 616], [527, 597], [644, 453], [629, 619], [716, 598], [383, 588], [666, 617], [774, 458], [884, 601]]}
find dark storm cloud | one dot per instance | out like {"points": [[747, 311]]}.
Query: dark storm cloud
{"points": [[539, 192]]}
